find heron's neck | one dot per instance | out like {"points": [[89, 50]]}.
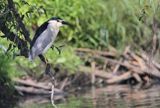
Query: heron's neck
{"points": [[53, 28]]}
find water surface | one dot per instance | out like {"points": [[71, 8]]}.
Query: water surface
{"points": [[117, 96]]}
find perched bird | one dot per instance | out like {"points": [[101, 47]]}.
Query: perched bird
{"points": [[45, 36]]}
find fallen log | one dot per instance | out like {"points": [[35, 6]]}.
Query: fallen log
{"points": [[37, 91], [34, 87], [96, 52], [149, 60], [119, 78], [141, 62], [137, 77], [58, 94], [32, 90], [32, 83], [121, 60], [125, 64], [97, 73], [64, 83]]}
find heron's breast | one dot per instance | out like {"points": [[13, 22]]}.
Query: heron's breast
{"points": [[52, 34]]}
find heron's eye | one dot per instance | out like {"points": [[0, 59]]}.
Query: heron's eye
{"points": [[57, 20]]}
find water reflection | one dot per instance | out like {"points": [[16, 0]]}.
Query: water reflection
{"points": [[124, 97], [117, 96]]}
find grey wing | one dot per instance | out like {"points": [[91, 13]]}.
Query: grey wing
{"points": [[44, 41]]}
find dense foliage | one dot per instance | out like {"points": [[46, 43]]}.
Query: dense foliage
{"points": [[7, 94], [98, 24]]}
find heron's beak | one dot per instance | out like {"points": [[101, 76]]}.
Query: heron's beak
{"points": [[67, 23]]}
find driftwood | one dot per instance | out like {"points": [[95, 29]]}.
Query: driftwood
{"points": [[140, 67], [121, 60], [64, 83], [103, 53], [98, 73], [119, 78], [32, 83], [104, 67], [31, 90], [29, 86]]}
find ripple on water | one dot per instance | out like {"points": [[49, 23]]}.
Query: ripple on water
{"points": [[125, 97]]}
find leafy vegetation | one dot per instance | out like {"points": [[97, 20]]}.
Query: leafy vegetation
{"points": [[98, 24], [7, 94], [66, 61]]}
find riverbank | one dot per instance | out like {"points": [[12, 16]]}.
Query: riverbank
{"points": [[101, 69]]}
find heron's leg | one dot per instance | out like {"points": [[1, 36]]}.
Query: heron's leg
{"points": [[48, 65], [48, 72], [43, 59], [45, 62]]}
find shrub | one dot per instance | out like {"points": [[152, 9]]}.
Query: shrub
{"points": [[7, 91], [98, 23]]}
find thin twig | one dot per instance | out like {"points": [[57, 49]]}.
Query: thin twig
{"points": [[52, 93], [52, 97]]}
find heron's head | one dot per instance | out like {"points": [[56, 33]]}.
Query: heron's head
{"points": [[57, 22]]}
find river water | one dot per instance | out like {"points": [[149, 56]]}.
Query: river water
{"points": [[116, 96]]}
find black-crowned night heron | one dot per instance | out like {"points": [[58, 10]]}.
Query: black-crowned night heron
{"points": [[45, 36]]}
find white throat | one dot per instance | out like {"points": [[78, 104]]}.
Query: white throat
{"points": [[55, 24]]}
